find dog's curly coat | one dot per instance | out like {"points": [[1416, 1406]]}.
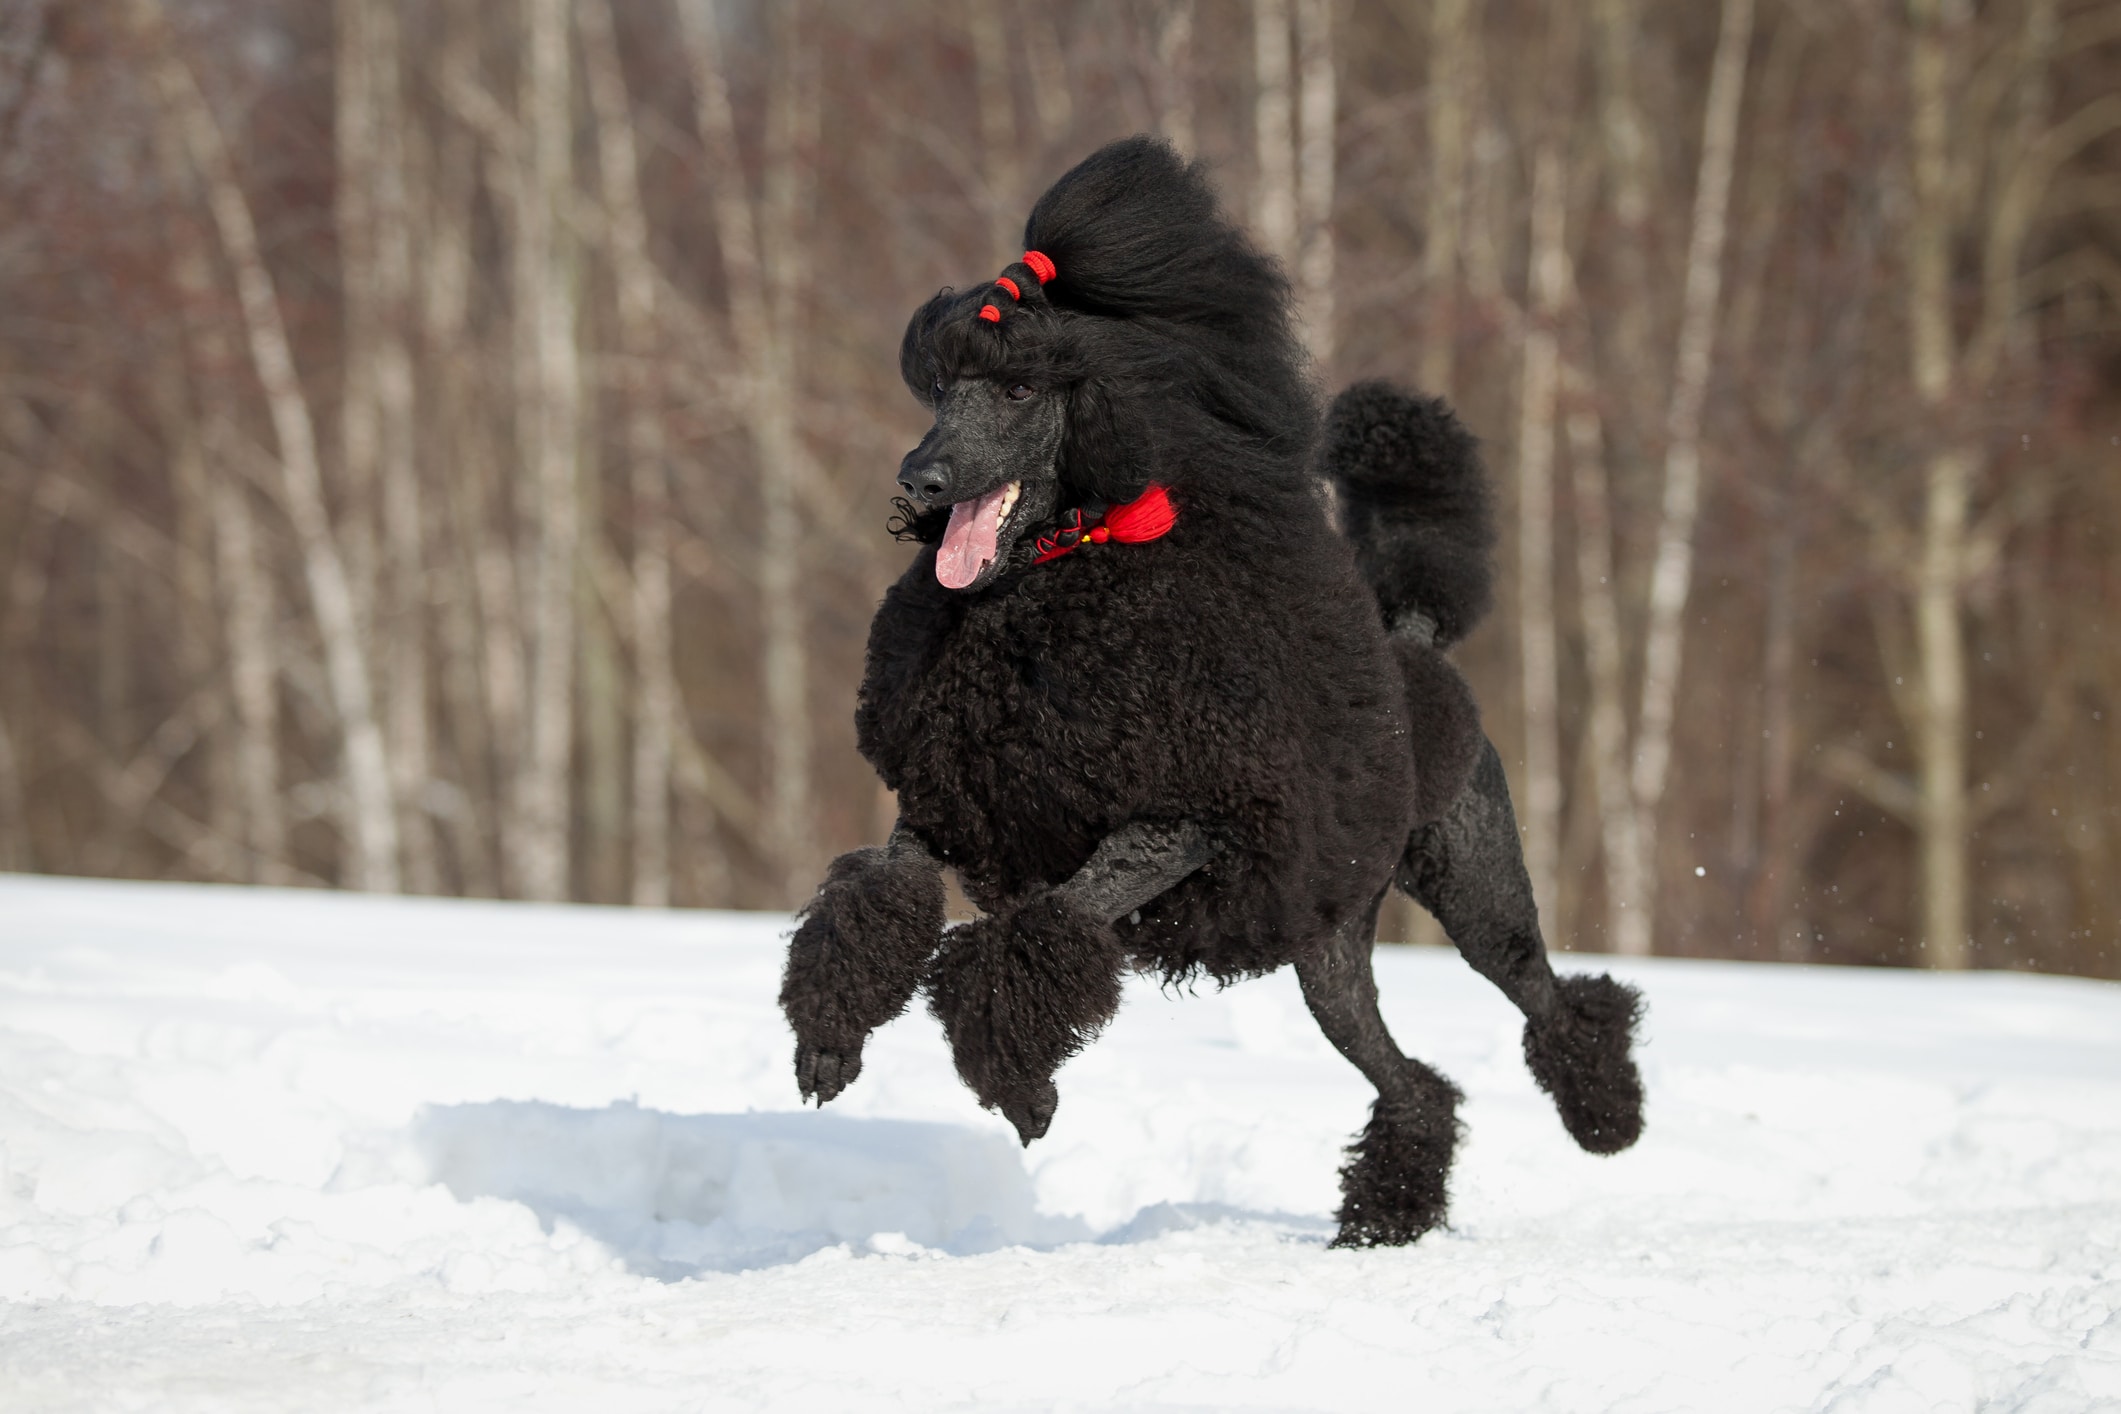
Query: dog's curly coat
{"points": [[1211, 752]]}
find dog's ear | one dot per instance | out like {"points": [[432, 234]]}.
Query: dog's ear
{"points": [[921, 359], [1107, 447]]}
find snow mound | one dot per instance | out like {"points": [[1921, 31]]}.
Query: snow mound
{"points": [[678, 1195]]}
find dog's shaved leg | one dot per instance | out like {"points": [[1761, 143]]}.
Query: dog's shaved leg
{"points": [[1134, 864], [858, 956], [1393, 1188], [1468, 870], [1023, 989]]}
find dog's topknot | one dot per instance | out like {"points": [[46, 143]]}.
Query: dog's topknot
{"points": [[1135, 232]]}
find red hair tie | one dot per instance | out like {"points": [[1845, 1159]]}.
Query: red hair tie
{"points": [[1042, 267], [989, 313], [1010, 285]]}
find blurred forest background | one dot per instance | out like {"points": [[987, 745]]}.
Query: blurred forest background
{"points": [[446, 446]]}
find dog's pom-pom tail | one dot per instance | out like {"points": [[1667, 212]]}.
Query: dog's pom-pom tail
{"points": [[1415, 500], [1581, 1054], [1396, 1183]]}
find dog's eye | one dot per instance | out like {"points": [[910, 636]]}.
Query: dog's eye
{"points": [[936, 391], [1020, 391]]}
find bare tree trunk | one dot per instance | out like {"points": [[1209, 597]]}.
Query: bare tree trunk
{"points": [[1172, 82], [655, 701], [1317, 100], [1940, 718], [353, 127], [1539, 656], [196, 646], [2038, 33], [254, 672], [1050, 98], [1274, 195], [406, 602], [603, 686], [1489, 215], [1671, 575], [764, 312], [1631, 164], [114, 689], [14, 806], [475, 631], [28, 580], [1453, 50], [370, 823], [997, 127], [1767, 899], [1598, 596], [790, 177], [401, 626], [244, 594], [548, 422]]}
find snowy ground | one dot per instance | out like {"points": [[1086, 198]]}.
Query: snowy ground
{"points": [[274, 1151]]}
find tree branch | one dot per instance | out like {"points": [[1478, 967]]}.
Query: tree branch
{"points": [[1884, 789]]}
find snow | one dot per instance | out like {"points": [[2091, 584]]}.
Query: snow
{"points": [[274, 1150]]}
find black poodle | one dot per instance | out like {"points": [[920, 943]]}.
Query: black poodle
{"points": [[1159, 713]]}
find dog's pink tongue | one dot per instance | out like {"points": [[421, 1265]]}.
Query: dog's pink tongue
{"points": [[968, 544]]}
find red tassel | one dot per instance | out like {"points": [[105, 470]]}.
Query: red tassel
{"points": [[1149, 517], [989, 313], [1010, 285], [1042, 267]]}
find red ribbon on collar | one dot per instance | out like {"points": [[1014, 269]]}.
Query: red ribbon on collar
{"points": [[1147, 517]]}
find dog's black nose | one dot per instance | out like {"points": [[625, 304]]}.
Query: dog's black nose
{"points": [[928, 483]]}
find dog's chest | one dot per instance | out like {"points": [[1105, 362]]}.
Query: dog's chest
{"points": [[1021, 700], [1022, 733]]}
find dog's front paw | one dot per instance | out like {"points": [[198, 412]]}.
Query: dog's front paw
{"points": [[856, 959], [1032, 1112], [1018, 993], [821, 1073]]}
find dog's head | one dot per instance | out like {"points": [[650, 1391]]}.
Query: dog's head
{"points": [[992, 461], [1139, 332]]}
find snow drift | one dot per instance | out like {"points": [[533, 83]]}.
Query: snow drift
{"points": [[264, 1150]]}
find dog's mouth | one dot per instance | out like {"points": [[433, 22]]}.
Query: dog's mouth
{"points": [[972, 543]]}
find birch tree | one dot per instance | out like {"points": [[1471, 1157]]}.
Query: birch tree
{"points": [[1294, 109], [1274, 145], [1317, 114], [648, 476], [1547, 284], [1936, 563], [369, 820], [548, 398], [378, 413], [997, 173], [242, 579], [763, 239], [1454, 53], [1171, 78], [1631, 819]]}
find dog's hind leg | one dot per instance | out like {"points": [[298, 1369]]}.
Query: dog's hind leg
{"points": [[1023, 989], [1468, 870], [1394, 1185]]}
